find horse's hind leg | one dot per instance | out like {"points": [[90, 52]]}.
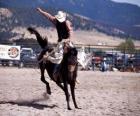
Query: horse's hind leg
{"points": [[44, 81], [61, 86]]}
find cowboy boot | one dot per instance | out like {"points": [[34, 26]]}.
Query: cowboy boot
{"points": [[45, 57]]}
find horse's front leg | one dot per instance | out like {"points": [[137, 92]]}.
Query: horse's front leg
{"points": [[72, 87], [42, 68], [67, 95]]}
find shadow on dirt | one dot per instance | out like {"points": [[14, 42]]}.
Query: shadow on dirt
{"points": [[32, 103]]}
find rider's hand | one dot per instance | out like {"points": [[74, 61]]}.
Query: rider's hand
{"points": [[39, 9]]}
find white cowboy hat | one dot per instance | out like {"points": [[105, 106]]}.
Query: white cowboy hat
{"points": [[61, 16]]}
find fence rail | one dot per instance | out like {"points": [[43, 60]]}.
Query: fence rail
{"points": [[99, 50]]}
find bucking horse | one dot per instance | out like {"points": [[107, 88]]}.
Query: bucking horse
{"points": [[67, 69]]}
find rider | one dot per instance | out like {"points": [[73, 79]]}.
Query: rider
{"points": [[64, 31]]}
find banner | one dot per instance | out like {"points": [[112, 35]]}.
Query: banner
{"points": [[9, 52]]}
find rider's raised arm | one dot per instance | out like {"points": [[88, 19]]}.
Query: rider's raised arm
{"points": [[46, 14]]}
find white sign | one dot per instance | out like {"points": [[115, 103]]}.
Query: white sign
{"points": [[9, 52]]}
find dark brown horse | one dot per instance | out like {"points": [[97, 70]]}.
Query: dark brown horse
{"points": [[67, 69]]}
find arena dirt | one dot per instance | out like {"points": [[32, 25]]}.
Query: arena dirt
{"points": [[98, 94]]}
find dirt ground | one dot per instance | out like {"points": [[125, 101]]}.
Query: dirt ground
{"points": [[98, 94]]}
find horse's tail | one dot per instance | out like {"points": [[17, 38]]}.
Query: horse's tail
{"points": [[43, 42]]}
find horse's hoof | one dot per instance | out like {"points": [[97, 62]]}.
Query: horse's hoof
{"points": [[78, 108], [46, 96], [69, 108], [49, 92]]}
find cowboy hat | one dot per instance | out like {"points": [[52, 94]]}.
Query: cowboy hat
{"points": [[61, 16]]}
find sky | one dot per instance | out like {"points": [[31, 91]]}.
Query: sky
{"points": [[137, 2]]}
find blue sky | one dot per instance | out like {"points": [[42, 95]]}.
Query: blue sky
{"points": [[137, 2]]}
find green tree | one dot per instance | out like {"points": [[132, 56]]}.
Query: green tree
{"points": [[127, 46]]}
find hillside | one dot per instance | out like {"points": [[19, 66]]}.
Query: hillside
{"points": [[105, 11], [24, 17]]}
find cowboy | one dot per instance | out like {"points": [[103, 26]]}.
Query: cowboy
{"points": [[64, 31]]}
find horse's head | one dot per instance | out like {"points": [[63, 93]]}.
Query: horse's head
{"points": [[72, 56]]}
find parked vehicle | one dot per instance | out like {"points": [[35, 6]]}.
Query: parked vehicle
{"points": [[28, 58], [97, 60], [136, 62], [5, 62]]}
